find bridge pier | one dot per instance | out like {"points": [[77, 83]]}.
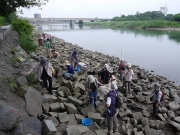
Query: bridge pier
{"points": [[72, 22]]}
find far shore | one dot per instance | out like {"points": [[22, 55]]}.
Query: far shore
{"points": [[168, 29]]}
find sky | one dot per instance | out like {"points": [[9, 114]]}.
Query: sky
{"points": [[99, 8]]}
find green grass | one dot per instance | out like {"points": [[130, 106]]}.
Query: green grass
{"points": [[2, 21], [135, 24]]}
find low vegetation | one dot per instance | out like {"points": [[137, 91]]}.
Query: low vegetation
{"points": [[135, 24], [24, 28]]}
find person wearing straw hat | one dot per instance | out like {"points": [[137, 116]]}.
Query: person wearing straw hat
{"points": [[70, 71], [156, 95], [121, 69], [91, 86], [128, 74], [45, 69]]}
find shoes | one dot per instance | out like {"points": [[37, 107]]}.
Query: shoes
{"points": [[50, 92]]}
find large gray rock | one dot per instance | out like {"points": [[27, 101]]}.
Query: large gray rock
{"points": [[87, 109], [75, 101], [138, 116], [140, 98], [174, 106], [65, 91], [64, 117], [177, 119], [174, 125], [94, 126], [145, 122], [72, 120], [22, 81], [101, 132], [49, 98], [62, 128], [79, 118], [89, 132], [54, 120], [55, 107], [33, 100], [29, 126], [138, 88], [45, 108], [96, 117], [82, 129], [70, 108], [49, 128], [8, 117], [73, 131], [171, 113], [155, 132]]}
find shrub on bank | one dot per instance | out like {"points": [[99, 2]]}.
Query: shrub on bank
{"points": [[22, 26], [27, 43], [2, 21]]}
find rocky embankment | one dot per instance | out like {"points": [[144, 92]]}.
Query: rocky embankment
{"points": [[27, 108]]}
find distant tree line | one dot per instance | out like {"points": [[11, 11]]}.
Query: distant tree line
{"points": [[148, 16]]}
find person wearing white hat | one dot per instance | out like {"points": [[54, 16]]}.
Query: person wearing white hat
{"points": [[156, 95], [44, 72], [121, 69], [92, 87], [128, 74], [70, 71]]}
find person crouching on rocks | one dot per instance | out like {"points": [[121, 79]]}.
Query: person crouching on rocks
{"points": [[92, 86], [128, 74], [45, 69], [54, 54], [156, 97], [70, 71], [111, 110]]}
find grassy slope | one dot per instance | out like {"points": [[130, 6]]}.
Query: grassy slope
{"points": [[135, 24]]}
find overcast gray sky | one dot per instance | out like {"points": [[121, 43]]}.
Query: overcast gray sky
{"points": [[100, 8]]}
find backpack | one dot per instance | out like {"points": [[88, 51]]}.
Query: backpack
{"points": [[163, 94], [118, 102]]}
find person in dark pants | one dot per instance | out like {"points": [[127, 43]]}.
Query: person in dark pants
{"points": [[44, 72], [156, 98]]}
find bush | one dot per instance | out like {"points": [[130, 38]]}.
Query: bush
{"points": [[22, 26], [27, 43], [2, 21]]}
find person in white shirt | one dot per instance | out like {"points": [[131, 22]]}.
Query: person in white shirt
{"points": [[83, 67], [156, 97], [128, 74]]}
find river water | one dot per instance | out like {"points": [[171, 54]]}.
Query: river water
{"points": [[157, 51]]}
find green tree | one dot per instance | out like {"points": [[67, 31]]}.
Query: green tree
{"points": [[80, 22], [169, 17], [9, 6], [2, 20], [176, 17]]}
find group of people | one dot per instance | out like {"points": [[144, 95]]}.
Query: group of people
{"points": [[47, 41], [105, 86]]}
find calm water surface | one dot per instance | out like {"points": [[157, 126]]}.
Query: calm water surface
{"points": [[153, 50]]}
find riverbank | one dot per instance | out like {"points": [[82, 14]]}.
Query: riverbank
{"points": [[155, 24]]}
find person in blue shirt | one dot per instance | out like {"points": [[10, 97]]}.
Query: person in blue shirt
{"points": [[70, 71]]}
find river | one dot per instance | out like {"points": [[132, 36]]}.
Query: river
{"points": [[157, 51]]}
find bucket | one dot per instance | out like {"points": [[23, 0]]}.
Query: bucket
{"points": [[87, 121], [78, 69]]}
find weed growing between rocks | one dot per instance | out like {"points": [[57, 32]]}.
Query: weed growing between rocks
{"points": [[31, 78], [20, 92], [13, 49], [12, 83]]}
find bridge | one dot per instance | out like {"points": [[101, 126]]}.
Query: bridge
{"points": [[71, 21]]}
